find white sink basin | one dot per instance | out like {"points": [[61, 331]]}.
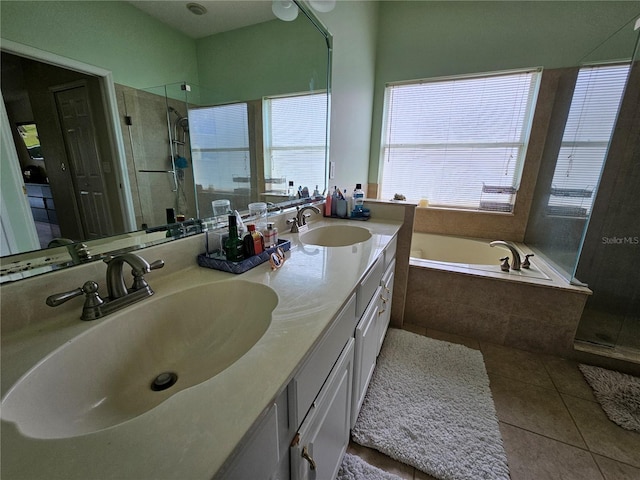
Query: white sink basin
{"points": [[335, 236], [104, 376]]}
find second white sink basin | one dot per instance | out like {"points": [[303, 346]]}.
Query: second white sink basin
{"points": [[138, 358], [335, 235]]}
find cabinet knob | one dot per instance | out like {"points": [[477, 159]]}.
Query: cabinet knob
{"points": [[308, 458]]}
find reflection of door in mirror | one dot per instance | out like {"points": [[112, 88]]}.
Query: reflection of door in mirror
{"points": [[30, 91], [78, 133]]}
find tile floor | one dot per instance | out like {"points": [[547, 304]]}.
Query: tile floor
{"points": [[551, 425]]}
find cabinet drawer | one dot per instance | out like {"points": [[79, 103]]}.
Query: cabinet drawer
{"points": [[306, 384], [390, 251], [367, 287], [386, 296]]}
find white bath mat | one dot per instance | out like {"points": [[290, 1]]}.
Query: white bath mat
{"points": [[429, 405], [617, 393], [354, 468]]}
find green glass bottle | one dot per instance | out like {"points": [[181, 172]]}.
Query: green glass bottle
{"points": [[233, 244]]}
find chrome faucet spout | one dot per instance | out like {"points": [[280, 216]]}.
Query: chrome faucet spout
{"points": [[302, 218], [517, 261], [115, 275]]}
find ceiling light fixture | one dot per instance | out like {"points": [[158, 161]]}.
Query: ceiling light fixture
{"points": [[196, 8], [285, 10]]}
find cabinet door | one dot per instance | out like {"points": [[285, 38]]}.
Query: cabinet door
{"points": [[386, 296], [366, 351], [321, 441], [260, 455]]}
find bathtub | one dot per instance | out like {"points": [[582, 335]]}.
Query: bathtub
{"points": [[469, 255], [455, 285]]}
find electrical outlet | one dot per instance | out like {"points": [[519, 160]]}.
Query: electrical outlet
{"points": [[332, 170]]}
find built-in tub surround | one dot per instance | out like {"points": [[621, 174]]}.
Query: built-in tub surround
{"points": [[534, 309], [194, 432]]}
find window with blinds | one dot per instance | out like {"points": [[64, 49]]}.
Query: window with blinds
{"points": [[459, 142], [220, 146], [592, 116], [295, 132]]}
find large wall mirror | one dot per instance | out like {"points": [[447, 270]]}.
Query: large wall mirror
{"points": [[130, 118]]}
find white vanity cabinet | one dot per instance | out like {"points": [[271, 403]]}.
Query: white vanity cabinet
{"points": [[324, 396]]}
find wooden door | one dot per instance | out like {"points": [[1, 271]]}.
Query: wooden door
{"points": [[80, 142]]}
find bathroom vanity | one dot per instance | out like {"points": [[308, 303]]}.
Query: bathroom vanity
{"points": [[283, 409]]}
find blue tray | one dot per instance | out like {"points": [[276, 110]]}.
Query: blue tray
{"points": [[217, 263]]}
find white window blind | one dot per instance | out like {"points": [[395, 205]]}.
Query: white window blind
{"points": [[220, 146], [295, 139], [446, 139], [592, 116]]}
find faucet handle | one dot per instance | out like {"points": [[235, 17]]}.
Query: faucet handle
{"points": [[294, 224], [505, 264], [90, 289], [526, 263], [138, 275], [156, 265]]}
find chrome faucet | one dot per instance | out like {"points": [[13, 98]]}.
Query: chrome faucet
{"points": [[299, 222], [517, 261], [302, 218], [119, 296], [115, 274]]}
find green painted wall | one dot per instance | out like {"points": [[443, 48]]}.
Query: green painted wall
{"points": [[114, 35], [353, 26], [241, 65], [423, 39]]}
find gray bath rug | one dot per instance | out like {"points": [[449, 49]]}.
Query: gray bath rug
{"points": [[617, 393], [429, 405], [354, 468]]}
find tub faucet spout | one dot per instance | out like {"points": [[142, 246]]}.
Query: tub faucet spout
{"points": [[517, 261]]}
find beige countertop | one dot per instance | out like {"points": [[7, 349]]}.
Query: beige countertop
{"points": [[192, 433]]}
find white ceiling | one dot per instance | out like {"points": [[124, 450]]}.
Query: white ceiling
{"points": [[221, 16]]}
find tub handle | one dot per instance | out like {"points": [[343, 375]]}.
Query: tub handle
{"points": [[526, 263], [505, 264]]}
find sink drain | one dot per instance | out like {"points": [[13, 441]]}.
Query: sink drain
{"points": [[163, 381]]}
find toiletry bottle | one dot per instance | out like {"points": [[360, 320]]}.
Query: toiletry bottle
{"points": [[290, 191], [327, 205], [334, 202], [239, 224], [349, 200], [233, 244], [270, 236], [358, 198], [253, 242], [316, 192]]}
